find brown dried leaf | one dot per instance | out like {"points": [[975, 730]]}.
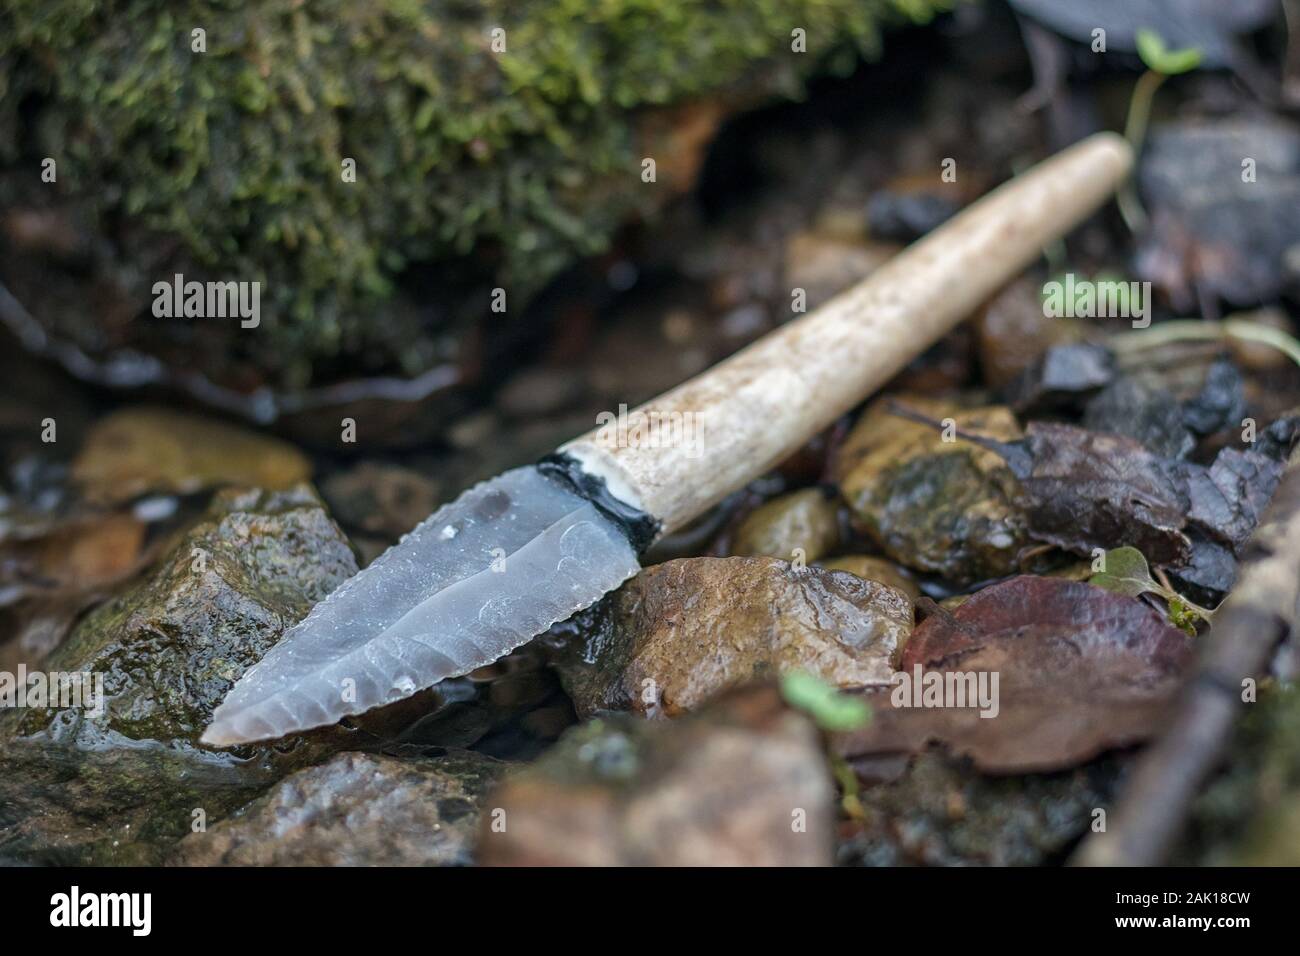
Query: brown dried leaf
{"points": [[1079, 671]]}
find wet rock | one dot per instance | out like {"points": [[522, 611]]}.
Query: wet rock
{"points": [[63, 806], [743, 783], [1213, 230], [1061, 377], [50, 574], [875, 569], [943, 507], [1012, 331], [680, 632], [941, 812], [1221, 402], [120, 783], [1212, 27], [380, 498], [356, 810], [1144, 413], [170, 648], [146, 449], [804, 521]]}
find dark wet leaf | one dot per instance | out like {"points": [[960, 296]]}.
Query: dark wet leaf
{"points": [[1079, 671], [1210, 571], [1277, 440], [1086, 490], [1227, 498], [1090, 489]]}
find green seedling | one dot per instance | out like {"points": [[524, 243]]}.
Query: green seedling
{"points": [[1161, 63], [1127, 572], [832, 709]]}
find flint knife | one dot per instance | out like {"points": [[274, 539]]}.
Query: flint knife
{"points": [[522, 551]]}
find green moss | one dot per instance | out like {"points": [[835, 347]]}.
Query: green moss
{"points": [[527, 157]]}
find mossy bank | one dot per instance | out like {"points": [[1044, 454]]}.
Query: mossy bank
{"points": [[502, 139]]}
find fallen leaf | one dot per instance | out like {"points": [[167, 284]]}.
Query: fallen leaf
{"points": [[1087, 489], [1078, 671], [1143, 412]]}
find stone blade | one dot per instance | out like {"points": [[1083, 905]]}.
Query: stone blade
{"points": [[478, 578]]}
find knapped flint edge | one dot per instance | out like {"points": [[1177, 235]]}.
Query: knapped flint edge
{"points": [[640, 527]]}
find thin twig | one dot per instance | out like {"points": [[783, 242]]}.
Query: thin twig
{"points": [[1260, 612]]}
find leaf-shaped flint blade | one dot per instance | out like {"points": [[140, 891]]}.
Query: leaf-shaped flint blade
{"points": [[476, 579]]}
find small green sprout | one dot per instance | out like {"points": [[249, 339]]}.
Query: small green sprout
{"points": [[832, 709], [1161, 63], [1126, 572], [1158, 57]]}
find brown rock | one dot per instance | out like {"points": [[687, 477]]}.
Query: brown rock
{"points": [[743, 783], [382, 499], [803, 520], [1012, 332], [680, 632], [875, 569], [144, 449], [943, 507]]}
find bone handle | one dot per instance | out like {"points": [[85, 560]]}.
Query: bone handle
{"points": [[758, 406]]}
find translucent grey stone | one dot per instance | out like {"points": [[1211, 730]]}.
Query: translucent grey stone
{"points": [[479, 577]]}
